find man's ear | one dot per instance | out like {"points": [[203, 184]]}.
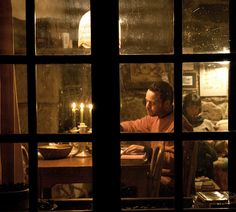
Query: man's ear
{"points": [[167, 104]]}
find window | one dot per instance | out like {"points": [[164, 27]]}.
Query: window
{"points": [[106, 62]]}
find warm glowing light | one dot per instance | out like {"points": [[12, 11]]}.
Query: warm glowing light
{"points": [[73, 105], [226, 50], [214, 79], [81, 106], [84, 31], [90, 106]]}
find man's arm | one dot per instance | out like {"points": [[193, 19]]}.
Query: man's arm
{"points": [[138, 125]]}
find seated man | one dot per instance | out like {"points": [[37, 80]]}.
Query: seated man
{"points": [[159, 118]]}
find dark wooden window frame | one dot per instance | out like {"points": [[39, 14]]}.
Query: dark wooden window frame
{"points": [[105, 60]]}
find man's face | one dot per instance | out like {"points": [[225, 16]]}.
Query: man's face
{"points": [[154, 104]]}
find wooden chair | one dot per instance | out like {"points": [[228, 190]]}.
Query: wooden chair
{"points": [[154, 176], [189, 167]]}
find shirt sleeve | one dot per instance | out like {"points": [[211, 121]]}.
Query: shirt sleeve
{"points": [[138, 125]]}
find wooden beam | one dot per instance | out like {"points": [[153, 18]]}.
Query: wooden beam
{"points": [[11, 155]]}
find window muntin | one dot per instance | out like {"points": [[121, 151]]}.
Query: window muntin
{"points": [[176, 91]]}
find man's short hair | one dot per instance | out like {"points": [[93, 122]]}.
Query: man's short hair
{"points": [[164, 88]]}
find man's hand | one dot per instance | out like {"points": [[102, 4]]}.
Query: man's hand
{"points": [[169, 149], [134, 149]]}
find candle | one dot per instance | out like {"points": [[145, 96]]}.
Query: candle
{"points": [[90, 106], [73, 105], [81, 112]]}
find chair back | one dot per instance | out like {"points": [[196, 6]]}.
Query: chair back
{"points": [[189, 167], [154, 176]]}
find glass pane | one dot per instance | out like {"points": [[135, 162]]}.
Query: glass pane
{"points": [[205, 95], [205, 165], [146, 27], [63, 27], [14, 108], [135, 164], [64, 98], [12, 30], [14, 177], [147, 169], [65, 174], [142, 111], [144, 87], [205, 26]]}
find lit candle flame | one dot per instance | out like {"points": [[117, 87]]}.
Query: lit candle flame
{"points": [[90, 106], [73, 105]]}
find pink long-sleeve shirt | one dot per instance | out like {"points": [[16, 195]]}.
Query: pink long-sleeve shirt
{"points": [[156, 124]]}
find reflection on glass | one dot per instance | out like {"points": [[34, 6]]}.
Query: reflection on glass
{"points": [[61, 26], [205, 95], [144, 87], [205, 26], [61, 90], [146, 27]]}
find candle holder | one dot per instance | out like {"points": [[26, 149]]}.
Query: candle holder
{"points": [[84, 152]]}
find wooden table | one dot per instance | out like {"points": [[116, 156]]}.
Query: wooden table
{"points": [[79, 170]]}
